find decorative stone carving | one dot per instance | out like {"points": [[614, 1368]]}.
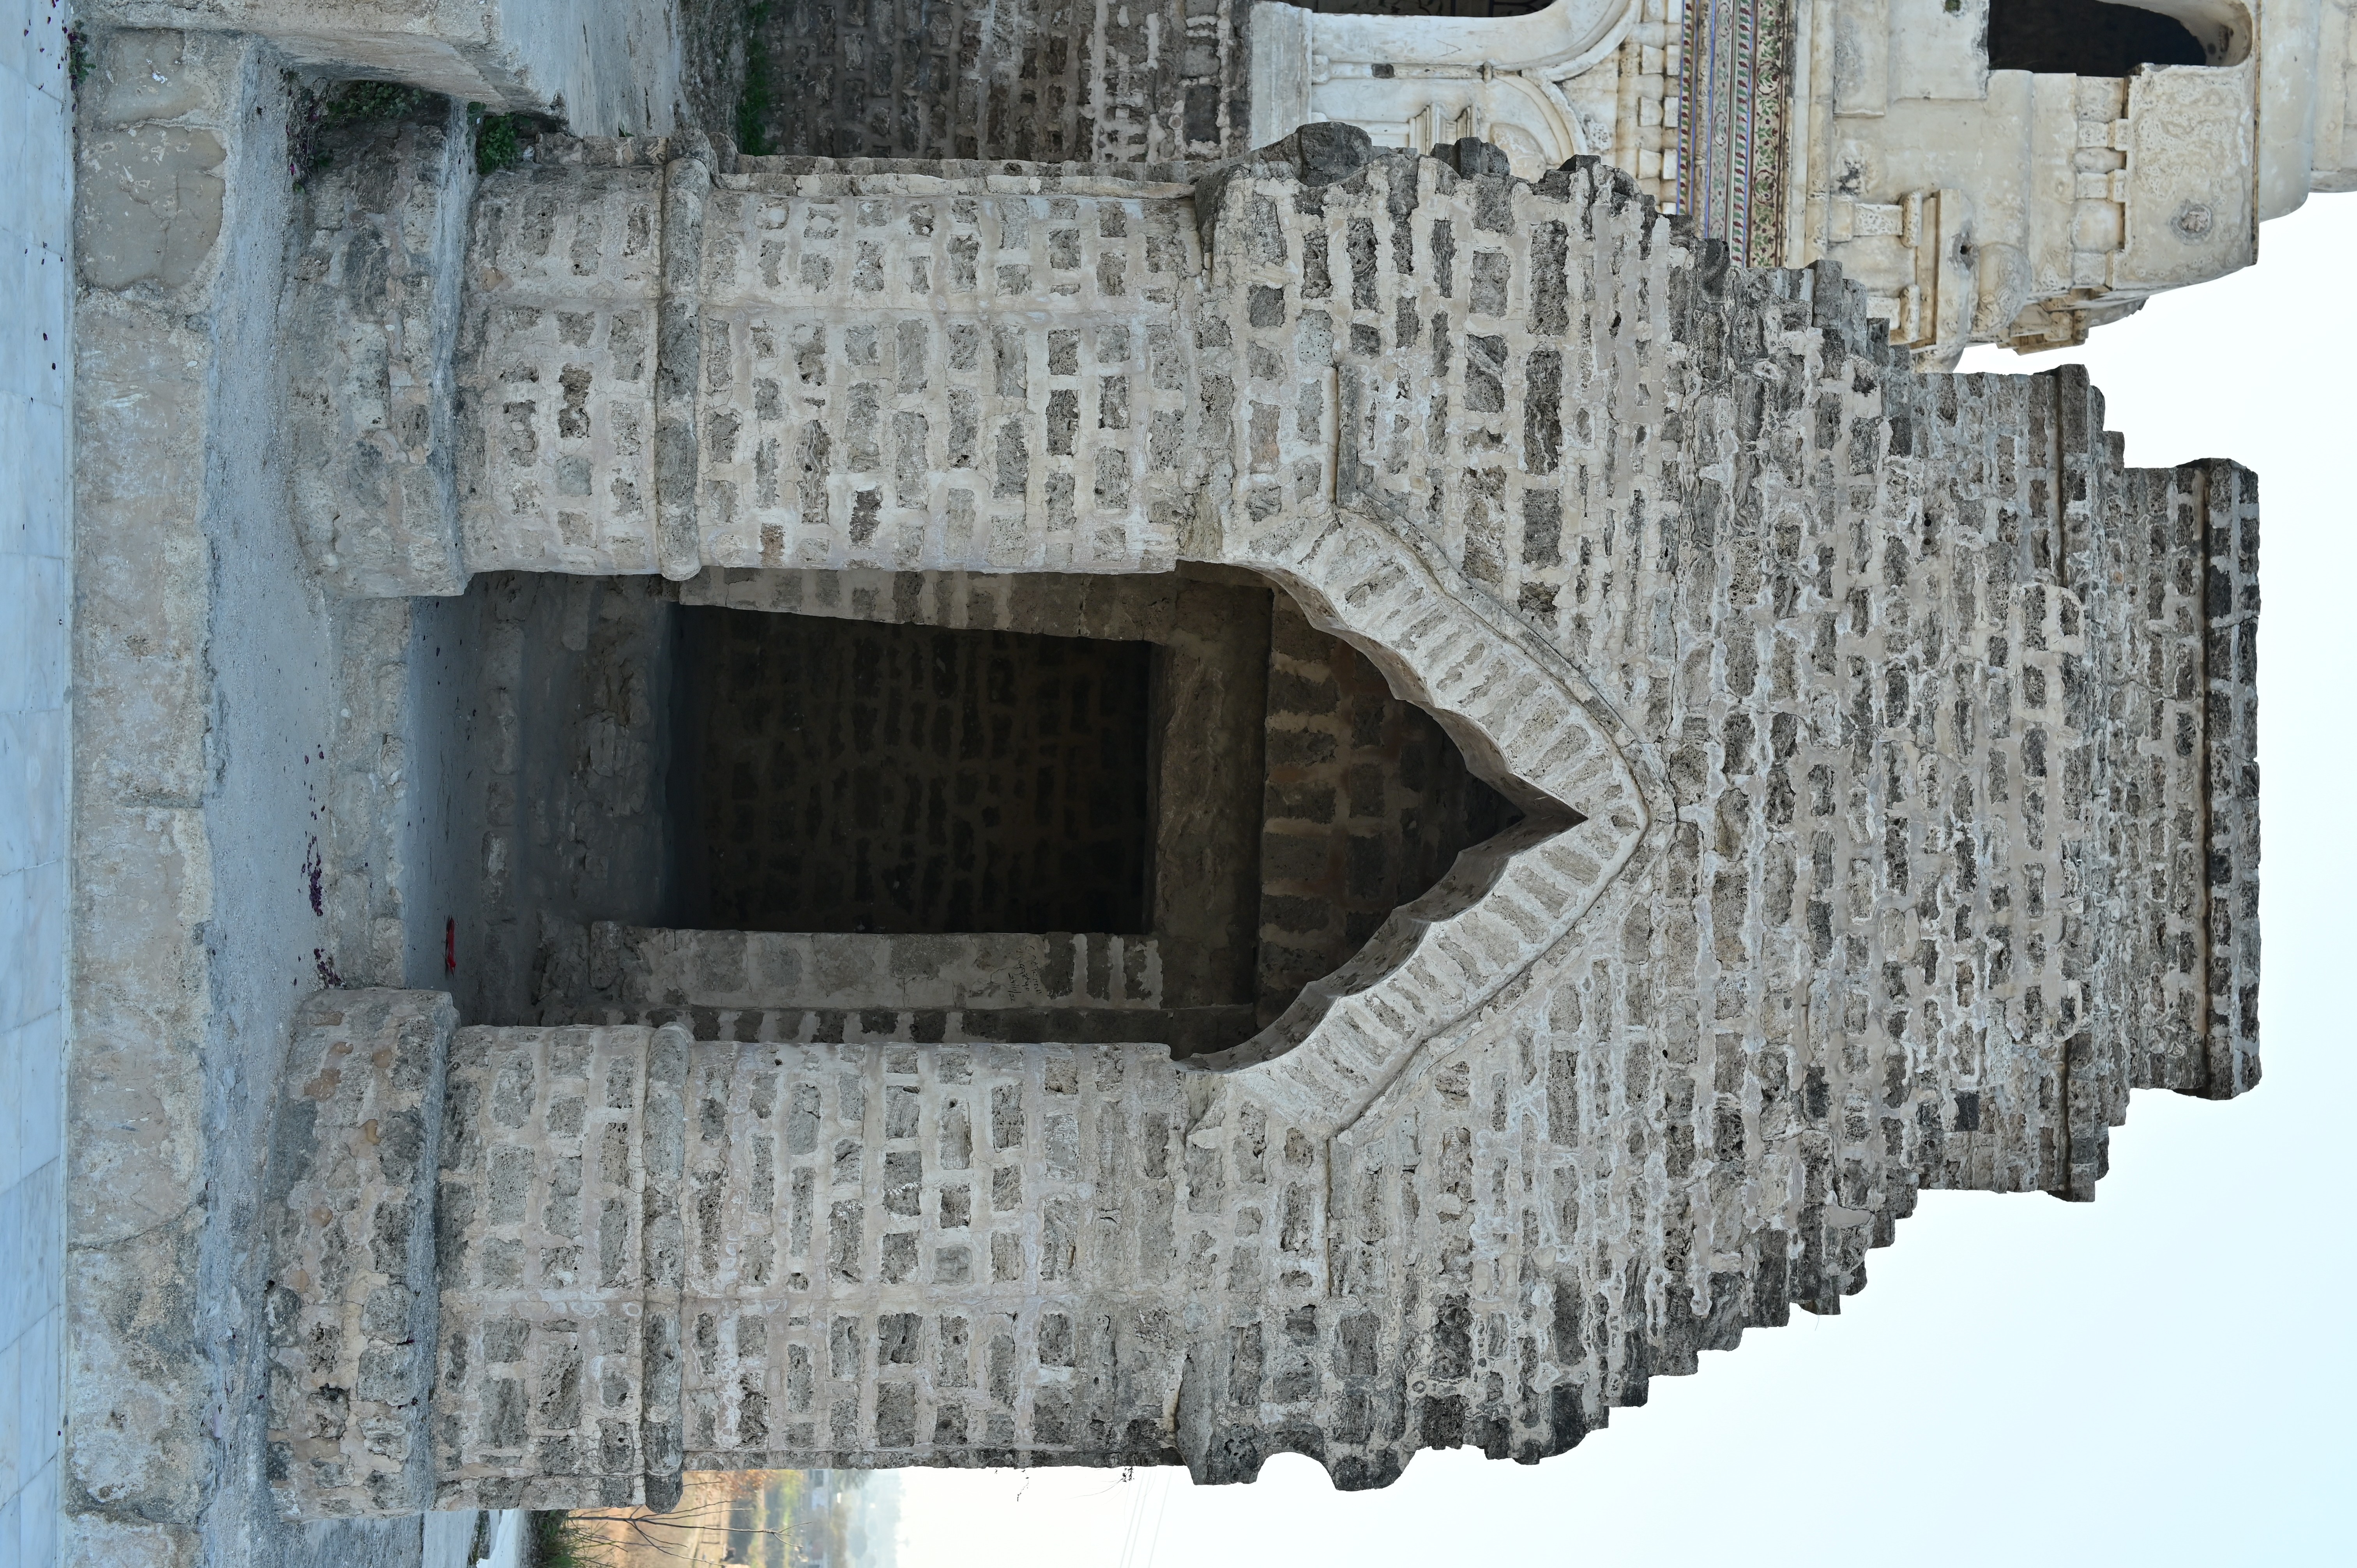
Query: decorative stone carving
{"points": [[1421, 82], [2186, 217], [1975, 206]]}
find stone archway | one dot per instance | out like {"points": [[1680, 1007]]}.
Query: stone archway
{"points": [[1824, 653]]}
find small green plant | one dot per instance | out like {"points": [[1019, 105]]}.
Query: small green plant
{"points": [[313, 110], [77, 61], [370, 101], [498, 142]]}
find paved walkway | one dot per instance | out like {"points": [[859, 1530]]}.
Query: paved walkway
{"points": [[35, 305]]}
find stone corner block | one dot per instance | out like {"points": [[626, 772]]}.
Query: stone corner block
{"points": [[355, 1142]]}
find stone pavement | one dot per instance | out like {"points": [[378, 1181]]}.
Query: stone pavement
{"points": [[34, 613]]}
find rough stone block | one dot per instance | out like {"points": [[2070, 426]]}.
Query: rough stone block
{"points": [[354, 1287]]}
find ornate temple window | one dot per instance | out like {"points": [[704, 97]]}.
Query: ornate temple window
{"points": [[1543, 84]]}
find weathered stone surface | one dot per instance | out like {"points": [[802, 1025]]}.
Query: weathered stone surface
{"points": [[560, 1243], [1885, 747], [564, 371], [353, 1289], [154, 206], [373, 313], [134, 1387]]}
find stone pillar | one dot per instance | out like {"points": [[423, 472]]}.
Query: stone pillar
{"points": [[446, 1203], [354, 1292], [559, 1224]]}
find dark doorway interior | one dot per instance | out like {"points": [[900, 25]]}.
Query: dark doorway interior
{"points": [[2085, 37], [854, 776]]}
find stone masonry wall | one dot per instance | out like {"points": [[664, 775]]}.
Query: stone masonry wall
{"points": [[1899, 748], [794, 401], [1933, 635], [1049, 79]]}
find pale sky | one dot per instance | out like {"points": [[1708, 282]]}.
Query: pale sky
{"points": [[2165, 1376]]}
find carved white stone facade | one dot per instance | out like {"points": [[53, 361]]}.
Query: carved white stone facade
{"points": [[1975, 206]]}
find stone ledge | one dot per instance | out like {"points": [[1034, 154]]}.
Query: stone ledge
{"points": [[982, 971]]}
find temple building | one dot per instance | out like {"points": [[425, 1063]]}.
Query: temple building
{"points": [[1147, 734]]}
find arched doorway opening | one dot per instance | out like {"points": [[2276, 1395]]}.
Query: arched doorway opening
{"points": [[870, 807]]}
